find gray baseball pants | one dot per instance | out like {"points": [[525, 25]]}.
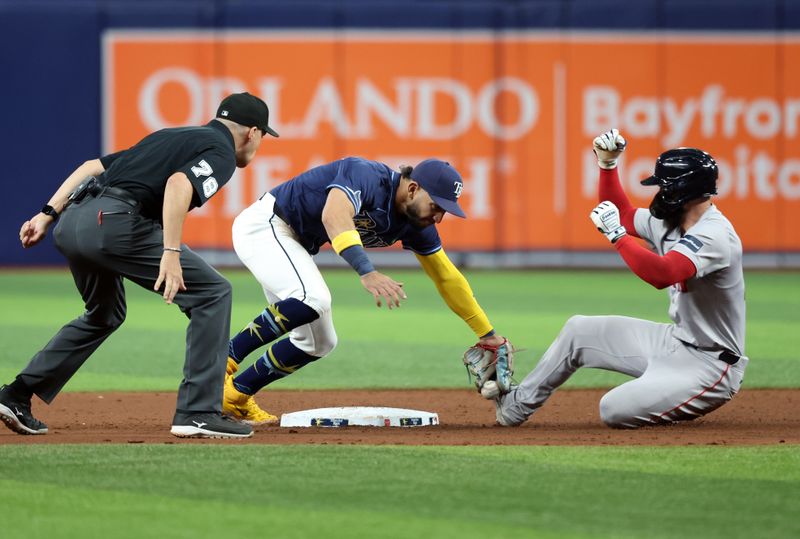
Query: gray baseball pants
{"points": [[673, 381], [105, 240]]}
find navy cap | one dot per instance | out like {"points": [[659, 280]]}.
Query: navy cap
{"points": [[247, 110], [442, 182]]}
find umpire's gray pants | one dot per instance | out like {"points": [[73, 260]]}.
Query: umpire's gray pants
{"points": [[104, 240]]}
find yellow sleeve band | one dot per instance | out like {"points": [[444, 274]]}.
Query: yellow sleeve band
{"points": [[346, 239], [455, 291]]}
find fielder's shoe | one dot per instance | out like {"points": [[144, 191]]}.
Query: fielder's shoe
{"points": [[232, 367], [208, 425], [243, 407], [16, 414]]}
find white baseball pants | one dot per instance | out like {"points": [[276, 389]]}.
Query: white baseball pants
{"points": [[271, 251]]}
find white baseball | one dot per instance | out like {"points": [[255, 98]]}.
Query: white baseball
{"points": [[490, 390]]}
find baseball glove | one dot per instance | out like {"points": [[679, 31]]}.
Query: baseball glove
{"points": [[492, 367]]}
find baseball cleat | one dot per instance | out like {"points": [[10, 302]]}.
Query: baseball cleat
{"points": [[17, 416], [231, 367], [243, 407], [208, 425]]}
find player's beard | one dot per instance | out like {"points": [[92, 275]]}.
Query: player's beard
{"points": [[412, 214], [671, 215]]}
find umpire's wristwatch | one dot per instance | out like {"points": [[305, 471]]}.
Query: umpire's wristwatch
{"points": [[50, 210]]}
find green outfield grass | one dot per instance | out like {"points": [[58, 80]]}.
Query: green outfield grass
{"points": [[200, 490], [350, 492], [418, 345]]}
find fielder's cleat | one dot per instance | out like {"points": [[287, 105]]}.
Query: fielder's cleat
{"points": [[16, 414], [232, 367], [208, 425], [243, 407], [230, 370]]}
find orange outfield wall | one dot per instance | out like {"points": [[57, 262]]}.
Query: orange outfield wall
{"points": [[515, 114]]}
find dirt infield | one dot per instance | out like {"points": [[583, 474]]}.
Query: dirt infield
{"points": [[570, 418]]}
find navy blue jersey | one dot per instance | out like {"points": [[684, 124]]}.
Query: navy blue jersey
{"points": [[371, 187]]}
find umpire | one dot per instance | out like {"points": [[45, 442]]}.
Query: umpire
{"points": [[126, 220]]}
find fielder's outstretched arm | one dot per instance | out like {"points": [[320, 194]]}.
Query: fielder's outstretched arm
{"points": [[456, 292], [337, 218]]}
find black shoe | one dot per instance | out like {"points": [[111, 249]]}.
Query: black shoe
{"points": [[208, 425], [16, 414]]}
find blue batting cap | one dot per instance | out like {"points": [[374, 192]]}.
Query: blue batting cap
{"points": [[442, 182]]}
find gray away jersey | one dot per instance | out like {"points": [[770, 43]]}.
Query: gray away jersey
{"points": [[709, 309]]}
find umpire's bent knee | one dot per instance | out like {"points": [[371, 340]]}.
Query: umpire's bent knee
{"points": [[223, 290]]}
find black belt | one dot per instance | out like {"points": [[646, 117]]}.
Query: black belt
{"points": [[116, 193], [120, 194], [725, 356], [94, 188]]}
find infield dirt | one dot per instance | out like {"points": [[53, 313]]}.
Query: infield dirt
{"points": [[571, 417]]}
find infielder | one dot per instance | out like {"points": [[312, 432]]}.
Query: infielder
{"points": [[127, 223], [353, 203], [682, 370]]}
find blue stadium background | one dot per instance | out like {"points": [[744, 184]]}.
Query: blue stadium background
{"points": [[51, 57]]}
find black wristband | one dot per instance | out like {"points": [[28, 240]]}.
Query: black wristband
{"points": [[49, 210]]}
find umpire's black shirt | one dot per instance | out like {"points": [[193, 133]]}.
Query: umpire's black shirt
{"points": [[205, 154]]}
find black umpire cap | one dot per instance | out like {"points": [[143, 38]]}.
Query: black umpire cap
{"points": [[247, 110]]}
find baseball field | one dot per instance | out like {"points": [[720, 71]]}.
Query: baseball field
{"points": [[109, 467]]}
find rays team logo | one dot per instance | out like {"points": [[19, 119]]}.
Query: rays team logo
{"points": [[363, 223], [365, 226], [458, 188]]}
